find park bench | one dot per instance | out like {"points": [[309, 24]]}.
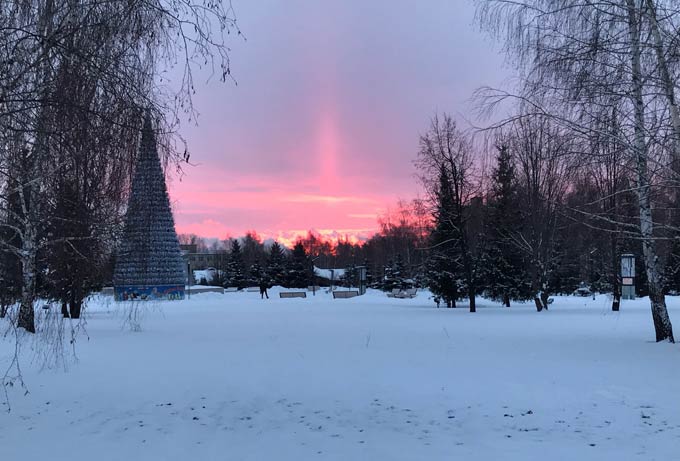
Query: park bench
{"points": [[253, 289], [314, 288], [345, 294], [231, 289], [393, 293], [292, 294], [409, 293], [402, 294]]}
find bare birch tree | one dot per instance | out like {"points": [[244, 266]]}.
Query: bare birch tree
{"points": [[542, 155], [76, 76]]}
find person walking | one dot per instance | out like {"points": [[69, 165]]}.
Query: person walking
{"points": [[263, 289]]}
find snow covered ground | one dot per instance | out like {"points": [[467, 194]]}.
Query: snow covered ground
{"points": [[234, 377]]}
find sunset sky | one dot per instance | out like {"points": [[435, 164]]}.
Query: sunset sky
{"points": [[322, 128]]}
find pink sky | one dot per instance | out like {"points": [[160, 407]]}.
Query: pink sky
{"points": [[322, 129]]}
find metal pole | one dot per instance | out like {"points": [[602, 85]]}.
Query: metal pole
{"points": [[189, 280], [314, 276]]}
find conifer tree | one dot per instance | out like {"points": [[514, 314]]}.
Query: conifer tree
{"points": [[10, 264], [442, 267], [504, 272], [672, 269], [389, 281], [72, 263], [149, 260], [400, 273], [370, 279], [276, 262], [256, 275], [446, 157], [299, 274], [351, 276], [235, 275]]}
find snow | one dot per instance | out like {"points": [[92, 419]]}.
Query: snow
{"points": [[207, 274], [232, 376]]}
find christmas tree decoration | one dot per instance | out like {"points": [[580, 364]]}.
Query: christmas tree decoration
{"points": [[149, 262]]}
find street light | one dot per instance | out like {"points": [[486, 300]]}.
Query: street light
{"points": [[189, 278], [314, 276]]}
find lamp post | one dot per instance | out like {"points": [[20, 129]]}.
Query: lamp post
{"points": [[314, 276], [189, 279], [592, 272]]}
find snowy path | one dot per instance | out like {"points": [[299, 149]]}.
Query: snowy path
{"points": [[231, 377]]}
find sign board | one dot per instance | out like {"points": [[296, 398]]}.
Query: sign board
{"points": [[627, 281], [148, 293], [627, 265]]}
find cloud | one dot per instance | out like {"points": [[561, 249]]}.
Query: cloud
{"points": [[328, 199], [363, 215], [205, 228], [353, 235]]}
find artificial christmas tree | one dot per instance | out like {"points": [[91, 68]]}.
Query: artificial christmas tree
{"points": [[149, 263]]}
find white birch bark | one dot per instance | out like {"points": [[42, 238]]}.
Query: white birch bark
{"points": [[666, 82], [662, 322]]}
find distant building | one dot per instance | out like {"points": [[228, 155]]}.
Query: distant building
{"points": [[188, 248], [201, 261]]}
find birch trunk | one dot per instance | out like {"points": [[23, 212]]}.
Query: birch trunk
{"points": [[667, 83], [537, 284], [616, 284], [29, 190], [26, 319], [662, 322]]}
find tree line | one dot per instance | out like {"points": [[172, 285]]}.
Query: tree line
{"points": [[392, 257], [527, 223]]}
